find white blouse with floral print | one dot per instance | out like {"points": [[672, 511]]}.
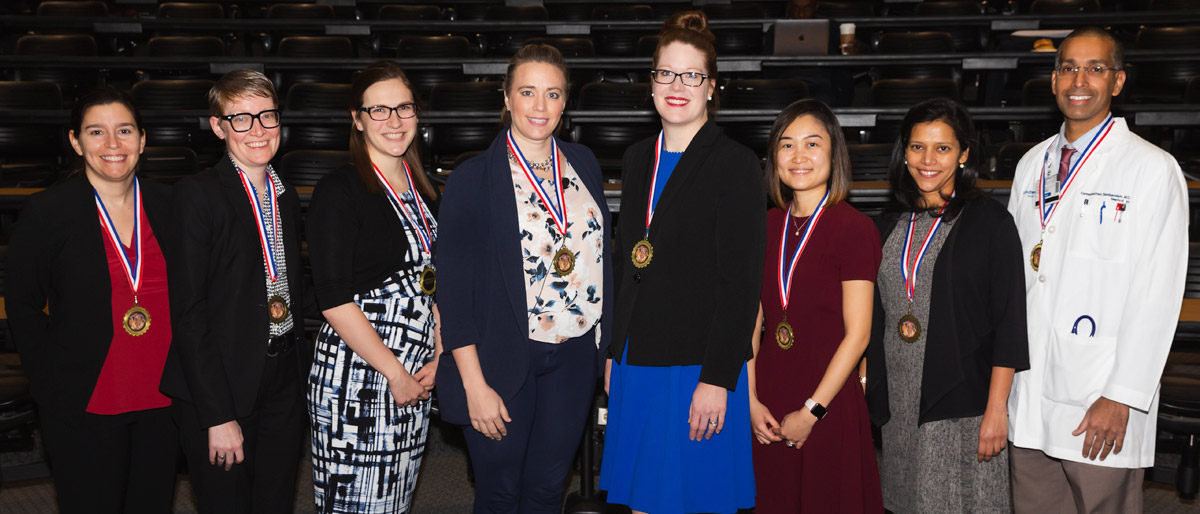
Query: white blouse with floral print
{"points": [[560, 308]]}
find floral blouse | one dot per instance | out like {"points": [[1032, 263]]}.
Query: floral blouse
{"points": [[560, 307]]}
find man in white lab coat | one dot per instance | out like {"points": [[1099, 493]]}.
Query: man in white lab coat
{"points": [[1103, 218]]}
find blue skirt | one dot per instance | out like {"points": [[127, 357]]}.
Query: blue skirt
{"points": [[650, 464]]}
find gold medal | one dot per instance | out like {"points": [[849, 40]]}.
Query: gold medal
{"points": [[277, 309], [136, 321], [428, 281], [564, 262], [909, 328], [643, 251], [1035, 256], [784, 335]]}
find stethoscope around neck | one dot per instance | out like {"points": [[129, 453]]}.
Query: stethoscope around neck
{"points": [[1075, 327]]}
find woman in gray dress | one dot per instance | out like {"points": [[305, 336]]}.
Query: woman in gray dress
{"points": [[949, 329]]}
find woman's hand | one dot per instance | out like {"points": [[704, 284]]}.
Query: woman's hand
{"points": [[426, 375], [225, 445], [487, 412], [993, 434], [707, 412], [763, 423], [406, 390], [796, 427], [607, 374]]}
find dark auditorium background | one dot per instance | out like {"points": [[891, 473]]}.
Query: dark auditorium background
{"points": [[167, 55]]}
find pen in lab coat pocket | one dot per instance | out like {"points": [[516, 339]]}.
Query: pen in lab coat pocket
{"points": [[1102, 205]]}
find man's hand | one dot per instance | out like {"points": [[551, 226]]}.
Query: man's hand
{"points": [[1103, 428]]}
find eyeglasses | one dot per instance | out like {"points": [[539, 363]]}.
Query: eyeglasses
{"points": [[243, 121], [383, 112], [1094, 70], [690, 78]]}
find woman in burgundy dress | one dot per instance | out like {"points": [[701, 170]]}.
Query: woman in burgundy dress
{"points": [[806, 403]]}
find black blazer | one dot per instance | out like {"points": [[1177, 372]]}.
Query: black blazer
{"points": [[57, 255], [219, 295], [976, 317], [481, 286], [696, 302]]}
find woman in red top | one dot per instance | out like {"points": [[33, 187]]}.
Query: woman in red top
{"points": [[806, 404], [87, 303]]}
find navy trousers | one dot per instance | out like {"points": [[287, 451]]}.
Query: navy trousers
{"points": [[525, 472]]}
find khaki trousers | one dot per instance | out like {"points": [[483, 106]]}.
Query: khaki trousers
{"points": [[1044, 485]]}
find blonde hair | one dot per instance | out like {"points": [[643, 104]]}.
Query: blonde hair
{"points": [[239, 82]]}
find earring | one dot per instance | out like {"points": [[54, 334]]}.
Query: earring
{"points": [[961, 166], [710, 98], [906, 162]]}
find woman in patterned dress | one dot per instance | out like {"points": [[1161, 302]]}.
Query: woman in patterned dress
{"points": [[949, 328], [524, 251], [371, 234]]}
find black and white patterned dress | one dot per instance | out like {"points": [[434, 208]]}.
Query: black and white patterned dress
{"points": [[367, 449]]}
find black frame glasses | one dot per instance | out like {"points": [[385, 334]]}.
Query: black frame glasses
{"points": [[383, 112], [687, 77], [266, 123], [1094, 70]]}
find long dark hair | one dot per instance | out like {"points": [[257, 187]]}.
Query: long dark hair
{"points": [[96, 97], [839, 159], [373, 74], [906, 197]]}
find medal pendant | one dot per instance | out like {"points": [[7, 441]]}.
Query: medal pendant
{"points": [[564, 262], [784, 335], [1035, 256], [428, 281], [643, 251], [277, 309], [136, 321], [909, 328]]}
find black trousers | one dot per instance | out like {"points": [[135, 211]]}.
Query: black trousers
{"points": [[265, 482], [122, 463], [525, 472]]}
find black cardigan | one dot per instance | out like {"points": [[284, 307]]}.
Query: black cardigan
{"points": [[57, 256], [696, 301], [355, 239], [976, 317]]}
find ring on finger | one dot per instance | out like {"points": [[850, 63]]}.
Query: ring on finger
{"points": [[712, 424], [220, 457]]}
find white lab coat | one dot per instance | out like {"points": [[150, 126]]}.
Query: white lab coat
{"points": [[1125, 269]]}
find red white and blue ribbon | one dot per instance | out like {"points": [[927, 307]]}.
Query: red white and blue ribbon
{"points": [[789, 266], [131, 265], [260, 221], [422, 229], [658, 150], [1048, 211], [910, 278], [557, 209]]}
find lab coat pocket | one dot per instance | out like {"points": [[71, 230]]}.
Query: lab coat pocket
{"points": [[1078, 367], [1101, 230]]}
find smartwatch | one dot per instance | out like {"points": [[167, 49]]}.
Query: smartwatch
{"points": [[815, 408]]}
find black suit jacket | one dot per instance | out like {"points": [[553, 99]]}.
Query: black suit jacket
{"points": [[976, 316], [219, 295], [57, 255], [697, 300], [481, 279]]}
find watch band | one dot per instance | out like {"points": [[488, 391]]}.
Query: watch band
{"points": [[815, 408]]}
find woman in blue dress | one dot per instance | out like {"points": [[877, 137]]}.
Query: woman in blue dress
{"points": [[690, 252]]}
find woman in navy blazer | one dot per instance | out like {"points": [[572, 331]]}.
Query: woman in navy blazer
{"points": [[525, 292]]}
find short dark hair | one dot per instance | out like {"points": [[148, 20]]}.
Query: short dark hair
{"points": [[840, 178], [906, 197], [1118, 51], [96, 97], [239, 82]]}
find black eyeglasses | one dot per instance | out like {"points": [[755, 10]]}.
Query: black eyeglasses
{"points": [[383, 112], [1094, 70], [689, 78], [243, 121]]}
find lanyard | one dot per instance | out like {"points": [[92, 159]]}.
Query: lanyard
{"points": [[422, 229], [658, 147], [1048, 212], [260, 220], [131, 265], [785, 280], [910, 278], [557, 209]]}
